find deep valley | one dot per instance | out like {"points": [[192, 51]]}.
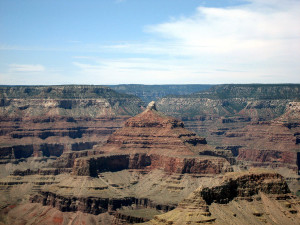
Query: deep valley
{"points": [[212, 154]]}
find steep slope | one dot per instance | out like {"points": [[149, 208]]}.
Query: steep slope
{"points": [[153, 140], [46, 121], [256, 197], [152, 163], [258, 102], [273, 143], [243, 117]]}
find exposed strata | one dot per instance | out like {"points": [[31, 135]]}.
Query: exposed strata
{"points": [[246, 130], [134, 216], [149, 144], [54, 135], [150, 93], [179, 164], [151, 140], [47, 121], [244, 117], [154, 174], [269, 144], [136, 189], [35, 213], [240, 198]]}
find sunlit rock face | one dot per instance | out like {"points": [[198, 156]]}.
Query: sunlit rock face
{"points": [[259, 196], [152, 140]]}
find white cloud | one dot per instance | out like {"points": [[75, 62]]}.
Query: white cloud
{"points": [[26, 68], [132, 70], [262, 38], [254, 42], [257, 29]]}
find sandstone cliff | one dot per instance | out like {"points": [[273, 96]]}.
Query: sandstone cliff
{"points": [[257, 197], [46, 121], [152, 140]]}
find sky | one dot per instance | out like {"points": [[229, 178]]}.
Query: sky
{"points": [[47, 42]]}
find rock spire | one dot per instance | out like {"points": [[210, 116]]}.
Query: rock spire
{"points": [[152, 106]]}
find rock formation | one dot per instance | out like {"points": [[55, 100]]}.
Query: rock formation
{"points": [[72, 154], [269, 144], [256, 197], [48, 121], [151, 152], [151, 140]]}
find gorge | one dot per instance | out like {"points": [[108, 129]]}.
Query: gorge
{"points": [[89, 154]]}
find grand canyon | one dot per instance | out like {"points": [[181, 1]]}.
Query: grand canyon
{"points": [[150, 154]]}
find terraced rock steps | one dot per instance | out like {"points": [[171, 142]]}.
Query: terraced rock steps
{"points": [[256, 197], [150, 141]]}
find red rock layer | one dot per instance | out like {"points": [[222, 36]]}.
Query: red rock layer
{"points": [[152, 140], [153, 132]]}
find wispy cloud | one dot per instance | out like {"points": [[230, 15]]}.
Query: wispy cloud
{"points": [[235, 44], [26, 68], [132, 70], [258, 41], [259, 29]]}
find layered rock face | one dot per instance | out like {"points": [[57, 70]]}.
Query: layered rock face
{"points": [[84, 172], [258, 125], [152, 163], [151, 140], [34, 213], [273, 144], [47, 121], [150, 93], [256, 197]]}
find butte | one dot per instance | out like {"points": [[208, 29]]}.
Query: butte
{"points": [[147, 167], [151, 141]]}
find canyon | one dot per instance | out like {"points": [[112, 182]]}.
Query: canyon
{"points": [[90, 154]]}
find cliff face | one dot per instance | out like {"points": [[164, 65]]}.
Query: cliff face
{"points": [[44, 121], [238, 199], [258, 123], [73, 100], [150, 93], [54, 135], [265, 101], [92, 157], [273, 144], [153, 162], [152, 140]]}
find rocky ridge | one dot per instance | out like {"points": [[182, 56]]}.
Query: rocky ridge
{"points": [[251, 125], [152, 140], [240, 198], [153, 163], [48, 121], [165, 149]]}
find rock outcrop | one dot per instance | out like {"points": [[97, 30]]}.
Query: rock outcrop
{"points": [[47, 121], [269, 144], [152, 140], [262, 121], [78, 157], [240, 198]]}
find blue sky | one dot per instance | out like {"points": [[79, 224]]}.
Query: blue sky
{"points": [[149, 42]]}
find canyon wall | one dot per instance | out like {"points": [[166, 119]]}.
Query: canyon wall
{"points": [[258, 123], [256, 197], [45, 121]]}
